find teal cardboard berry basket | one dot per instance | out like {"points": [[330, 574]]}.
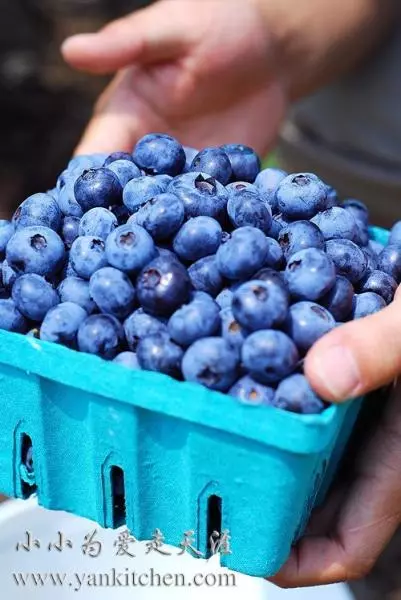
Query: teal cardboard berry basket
{"points": [[120, 446]]}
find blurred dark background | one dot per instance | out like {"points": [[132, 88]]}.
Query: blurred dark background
{"points": [[44, 105]]}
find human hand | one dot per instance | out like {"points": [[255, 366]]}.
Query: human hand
{"points": [[201, 70], [347, 536]]}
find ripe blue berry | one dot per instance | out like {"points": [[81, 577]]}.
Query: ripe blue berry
{"points": [[307, 322], [198, 237], [140, 190], [243, 254], [269, 355], [336, 223], [348, 258], [366, 304], [212, 362], [310, 274], [162, 216], [380, 283], [97, 187], [245, 163], [124, 170], [129, 248], [61, 324], [201, 194], [198, 319], [76, 290], [39, 209], [259, 305], [389, 261], [98, 222], [112, 291], [87, 255], [214, 162], [101, 335], [338, 300], [158, 353], [34, 296], [301, 196], [300, 235], [294, 394], [10, 317], [37, 250], [158, 153]]}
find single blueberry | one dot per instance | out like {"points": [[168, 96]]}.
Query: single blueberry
{"points": [[159, 153], [61, 324], [205, 276], [162, 216], [10, 317], [98, 222], [380, 283], [310, 274], [116, 156], [294, 394], [69, 230], [211, 362], [6, 232], [124, 170], [307, 322], [129, 248], [358, 209], [248, 391], [87, 255], [231, 330], [201, 195], [274, 257], [100, 334], [215, 162], [245, 163], [163, 286], [259, 305], [129, 360], [198, 237], [36, 249], [389, 261], [97, 187], [348, 258], [269, 355], [366, 304], [76, 290], [339, 299], [268, 181], [243, 254], [158, 353], [39, 209], [301, 196], [112, 291], [300, 235], [67, 202], [247, 208], [140, 325], [34, 296], [140, 190], [198, 319], [336, 223]]}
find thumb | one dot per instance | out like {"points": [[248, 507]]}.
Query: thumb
{"points": [[147, 36], [357, 357]]}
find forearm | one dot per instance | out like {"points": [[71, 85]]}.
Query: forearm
{"points": [[318, 40]]}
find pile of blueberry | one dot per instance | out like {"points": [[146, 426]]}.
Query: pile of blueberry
{"points": [[194, 264]]}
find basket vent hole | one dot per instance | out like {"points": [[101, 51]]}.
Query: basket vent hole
{"points": [[214, 518], [27, 460], [118, 497]]}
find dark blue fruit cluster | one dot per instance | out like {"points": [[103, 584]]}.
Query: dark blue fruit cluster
{"points": [[198, 265]]}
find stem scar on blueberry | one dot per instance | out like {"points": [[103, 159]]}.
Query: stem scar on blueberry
{"points": [[260, 292], [127, 239], [300, 180], [208, 376], [294, 265], [204, 184], [38, 242], [97, 244]]}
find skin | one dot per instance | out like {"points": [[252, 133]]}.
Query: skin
{"points": [[209, 74]]}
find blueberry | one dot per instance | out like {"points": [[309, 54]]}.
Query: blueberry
{"points": [[380, 283], [163, 286], [10, 317], [301, 196], [348, 258], [69, 230], [376, 247], [243, 254], [390, 261], [371, 260], [36, 250], [310, 274], [276, 227], [39, 209], [366, 304], [34, 296], [124, 170], [307, 322], [245, 163], [247, 208], [215, 162], [336, 223], [358, 210], [67, 202], [339, 299], [76, 290], [158, 353], [211, 362], [274, 257], [259, 305], [6, 232], [224, 298], [198, 237], [8, 275], [395, 234], [101, 335], [116, 156], [205, 276], [162, 216], [97, 187], [198, 319], [231, 330], [129, 248], [129, 360], [140, 190], [61, 324], [140, 325], [201, 194], [249, 391], [159, 153], [98, 222], [300, 235], [332, 197], [112, 291], [268, 181], [294, 394], [87, 255], [163, 181], [85, 161], [361, 237], [269, 355], [272, 277], [190, 154]]}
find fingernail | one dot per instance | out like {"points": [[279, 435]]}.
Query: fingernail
{"points": [[338, 372]]}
